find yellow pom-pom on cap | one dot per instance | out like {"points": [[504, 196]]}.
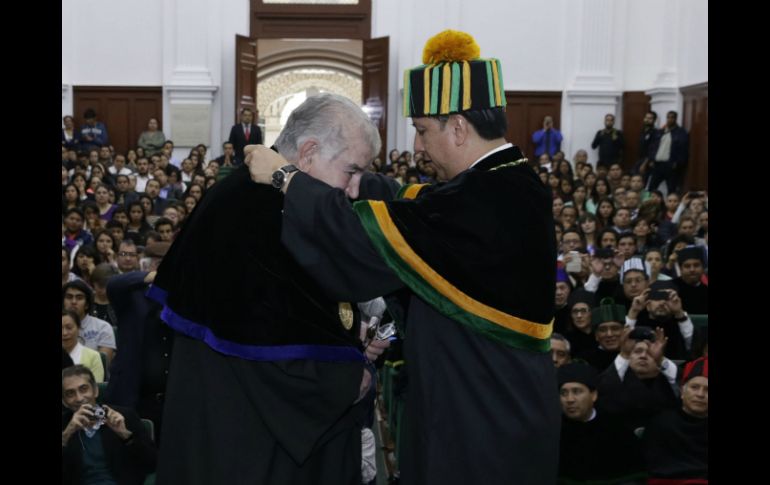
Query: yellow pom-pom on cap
{"points": [[450, 46]]}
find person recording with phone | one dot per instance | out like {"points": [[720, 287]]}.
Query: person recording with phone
{"points": [[100, 443], [661, 306]]}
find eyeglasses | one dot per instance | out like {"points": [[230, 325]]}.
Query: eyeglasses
{"points": [[579, 311], [126, 253]]}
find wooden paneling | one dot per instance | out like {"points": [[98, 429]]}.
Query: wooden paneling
{"points": [[311, 21], [695, 120], [525, 112], [635, 106], [375, 85], [124, 110]]}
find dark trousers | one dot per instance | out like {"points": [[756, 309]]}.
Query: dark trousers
{"points": [[664, 172]]}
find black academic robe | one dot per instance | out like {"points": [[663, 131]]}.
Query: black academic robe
{"points": [[265, 369], [635, 400], [562, 319], [599, 358], [604, 448], [481, 403], [695, 299], [676, 445]]}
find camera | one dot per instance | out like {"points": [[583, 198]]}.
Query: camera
{"points": [[99, 418], [604, 253], [642, 333], [386, 331]]}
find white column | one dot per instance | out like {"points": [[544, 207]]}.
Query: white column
{"points": [[665, 92], [68, 28], [191, 72], [594, 72]]}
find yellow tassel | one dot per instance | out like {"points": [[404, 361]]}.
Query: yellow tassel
{"points": [[450, 46]]}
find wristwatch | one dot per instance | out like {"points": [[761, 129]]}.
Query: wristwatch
{"points": [[279, 176], [684, 318]]}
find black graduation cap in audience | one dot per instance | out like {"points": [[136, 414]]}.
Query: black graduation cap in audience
{"points": [[657, 289], [690, 252], [581, 296], [578, 372]]}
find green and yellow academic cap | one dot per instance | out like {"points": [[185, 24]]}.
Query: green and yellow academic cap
{"points": [[453, 78]]}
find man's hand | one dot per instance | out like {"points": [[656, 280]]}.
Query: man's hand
{"points": [[82, 419], [262, 162], [656, 348], [626, 344], [638, 304], [675, 304], [150, 277], [597, 266], [117, 423], [618, 259], [376, 348]]}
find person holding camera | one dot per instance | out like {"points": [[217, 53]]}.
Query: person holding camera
{"points": [[100, 443], [547, 140], [661, 306]]}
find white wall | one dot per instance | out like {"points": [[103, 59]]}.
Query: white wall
{"points": [[595, 48], [113, 42], [694, 42]]}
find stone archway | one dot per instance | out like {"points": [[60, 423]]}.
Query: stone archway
{"points": [[274, 93]]}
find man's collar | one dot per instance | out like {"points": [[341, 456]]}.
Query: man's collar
{"points": [[493, 151]]}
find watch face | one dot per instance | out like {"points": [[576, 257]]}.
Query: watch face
{"points": [[278, 178]]}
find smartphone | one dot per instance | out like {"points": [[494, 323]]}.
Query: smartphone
{"points": [[575, 264], [658, 295]]}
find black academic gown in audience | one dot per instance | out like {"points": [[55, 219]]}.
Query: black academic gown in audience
{"points": [[599, 358], [635, 400], [608, 289], [604, 448], [676, 446], [562, 319], [695, 299], [580, 343]]}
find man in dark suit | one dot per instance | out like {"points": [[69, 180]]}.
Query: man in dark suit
{"points": [[114, 449], [244, 133], [139, 375]]}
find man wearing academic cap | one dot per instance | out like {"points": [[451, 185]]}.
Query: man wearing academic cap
{"points": [[694, 294], [476, 253], [676, 440], [596, 446], [607, 320]]}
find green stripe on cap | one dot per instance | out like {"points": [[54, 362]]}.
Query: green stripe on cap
{"points": [[435, 75], [490, 84], [453, 108]]}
